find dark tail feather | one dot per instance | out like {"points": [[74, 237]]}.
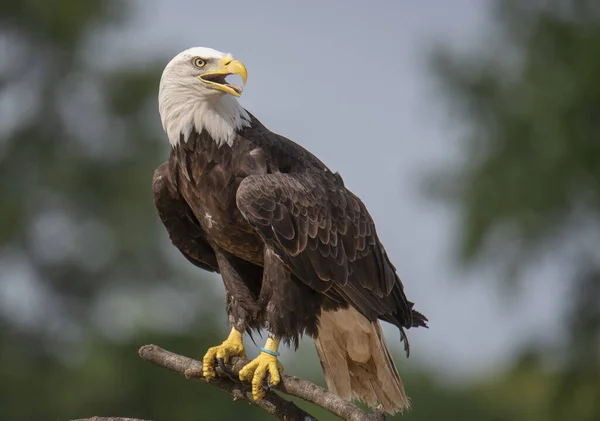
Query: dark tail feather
{"points": [[419, 320]]}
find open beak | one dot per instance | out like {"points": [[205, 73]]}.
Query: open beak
{"points": [[229, 66]]}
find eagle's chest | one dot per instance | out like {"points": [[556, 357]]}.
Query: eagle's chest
{"points": [[209, 178], [215, 200]]}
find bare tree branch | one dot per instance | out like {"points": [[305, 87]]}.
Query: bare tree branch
{"points": [[272, 403]]}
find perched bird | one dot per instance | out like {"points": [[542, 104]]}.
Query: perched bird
{"points": [[298, 252]]}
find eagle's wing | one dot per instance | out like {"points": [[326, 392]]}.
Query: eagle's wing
{"points": [[327, 238], [183, 228]]}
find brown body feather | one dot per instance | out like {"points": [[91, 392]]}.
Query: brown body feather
{"points": [[289, 240]]}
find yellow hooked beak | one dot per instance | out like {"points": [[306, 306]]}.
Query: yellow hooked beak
{"points": [[229, 66]]}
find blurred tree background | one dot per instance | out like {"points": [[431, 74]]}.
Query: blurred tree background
{"points": [[87, 274], [529, 184]]}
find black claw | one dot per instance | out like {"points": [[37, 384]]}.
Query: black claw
{"points": [[269, 385], [227, 370]]}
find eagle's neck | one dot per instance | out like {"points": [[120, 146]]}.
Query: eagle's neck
{"points": [[184, 111]]}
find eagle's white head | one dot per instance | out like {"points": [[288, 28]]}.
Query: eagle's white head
{"points": [[194, 95]]}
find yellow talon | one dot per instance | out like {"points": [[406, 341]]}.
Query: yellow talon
{"points": [[233, 346], [256, 370]]}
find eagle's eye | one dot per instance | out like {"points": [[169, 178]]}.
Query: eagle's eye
{"points": [[199, 62]]}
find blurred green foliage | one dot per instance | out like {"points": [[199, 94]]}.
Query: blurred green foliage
{"points": [[528, 185], [88, 275]]}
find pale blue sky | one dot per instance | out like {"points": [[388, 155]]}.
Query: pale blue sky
{"points": [[348, 80]]}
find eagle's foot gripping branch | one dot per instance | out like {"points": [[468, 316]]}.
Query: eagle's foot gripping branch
{"points": [[233, 346], [265, 366]]}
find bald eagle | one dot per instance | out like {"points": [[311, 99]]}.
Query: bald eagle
{"points": [[298, 252]]}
